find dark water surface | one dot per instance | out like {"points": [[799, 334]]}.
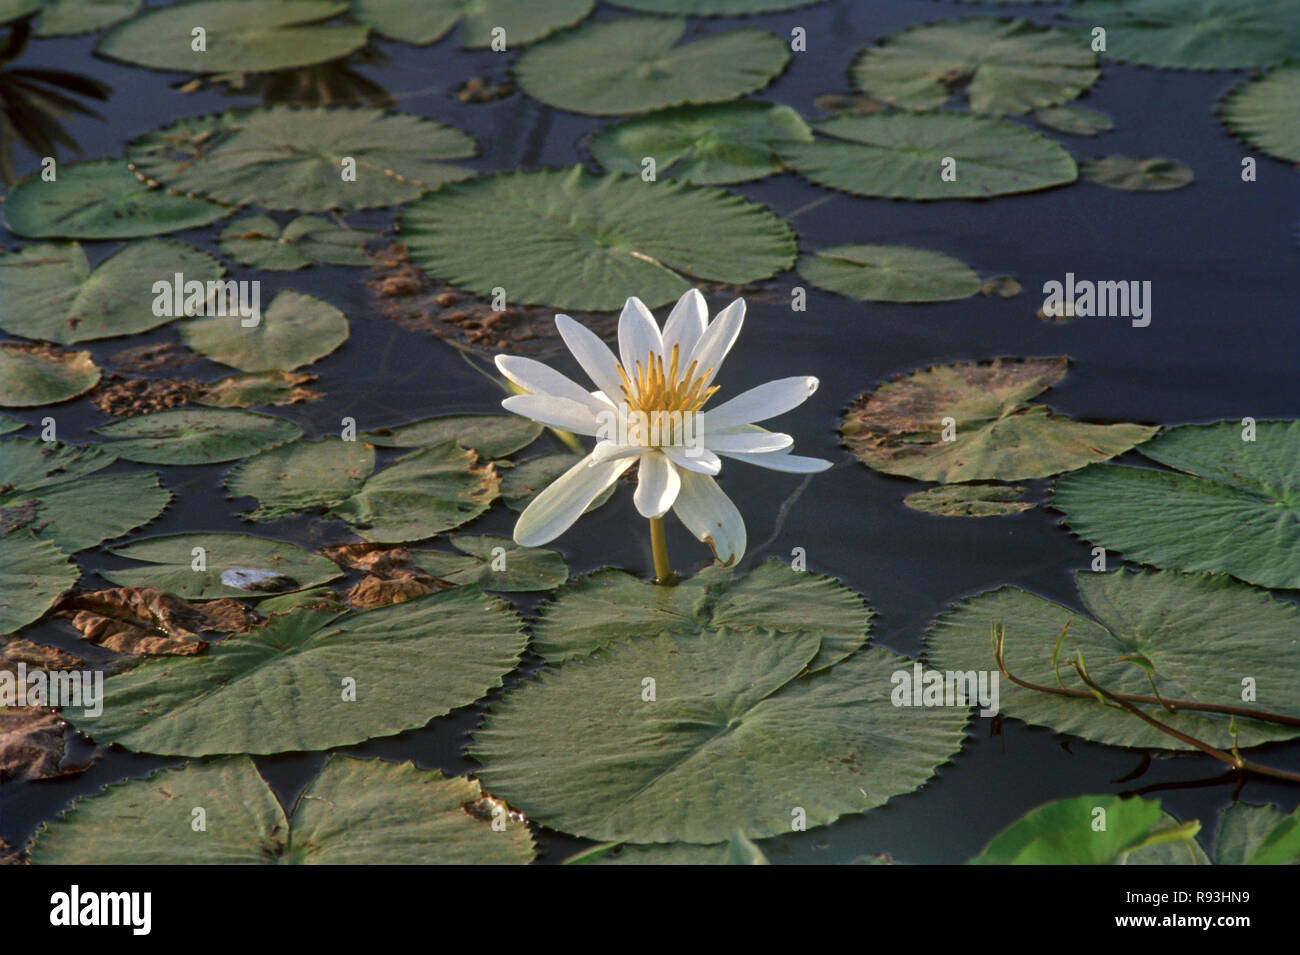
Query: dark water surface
{"points": [[1223, 343]]}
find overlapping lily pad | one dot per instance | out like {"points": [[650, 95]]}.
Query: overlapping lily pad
{"points": [[1257, 835], [713, 8], [9, 423], [196, 435], [1262, 112], [491, 435], [51, 293], [260, 242], [355, 812], [568, 239], [635, 64], [285, 686], [33, 572], [296, 329], [494, 563], [1137, 175], [1075, 120], [1230, 505], [969, 500], [1200, 636], [524, 21], [708, 145], [301, 476], [996, 435], [33, 375], [889, 273], [1003, 66], [259, 388], [904, 155], [71, 17]]}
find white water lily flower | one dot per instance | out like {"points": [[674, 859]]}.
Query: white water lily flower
{"points": [[649, 408]]}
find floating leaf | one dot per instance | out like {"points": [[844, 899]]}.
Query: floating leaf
{"points": [[1232, 509], [290, 158], [33, 573], [1004, 66], [737, 737], [1200, 636], [889, 273], [739, 851], [610, 606], [521, 568], [491, 435], [72, 17], [196, 436], [11, 10], [1262, 112], [259, 241], [9, 423], [902, 155], [712, 8], [636, 64], [525, 481], [280, 687], [1075, 120], [852, 104], [295, 330], [259, 388], [302, 475], [147, 620], [996, 435], [101, 200], [707, 145], [1137, 175], [969, 500], [51, 293], [32, 375], [355, 812], [176, 557], [524, 21], [1257, 835], [242, 36], [1003, 286], [568, 239]]}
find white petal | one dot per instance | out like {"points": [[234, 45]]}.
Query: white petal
{"points": [[781, 461], [717, 340], [748, 442], [657, 485], [612, 451], [709, 514], [701, 460], [561, 413], [553, 511], [686, 323], [593, 355], [638, 336], [759, 404], [538, 379]]}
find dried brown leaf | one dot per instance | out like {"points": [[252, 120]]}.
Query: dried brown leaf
{"points": [[148, 620]]}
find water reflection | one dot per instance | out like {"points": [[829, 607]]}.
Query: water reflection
{"points": [[336, 83]]}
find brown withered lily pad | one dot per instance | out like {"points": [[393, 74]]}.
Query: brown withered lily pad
{"points": [[10, 856], [969, 500], [123, 398], [159, 356], [148, 620], [33, 743], [390, 576], [251, 388], [480, 89]]}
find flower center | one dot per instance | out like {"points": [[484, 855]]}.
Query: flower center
{"points": [[658, 389]]}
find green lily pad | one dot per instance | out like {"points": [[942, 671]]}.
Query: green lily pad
{"points": [[11, 10], [1003, 66], [1262, 112], [1137, 175], [291, 158], [33, 573], [72, 17], [282, 566], [51, 293], [9, 423], [101, 200], [712, 8], [521, 568], [295, 330], [491, 435], [568, 239], [903, 155], [283, 686], [32, 375], [1234, 508], [523, 482], [355, 812], [739, 738], [196, 435], [611, 606], [708, 145], [1067, 832], [889, 273], [258, 388], [242, 36], [636, 64], [969, 500], [1075, 120], [996, 435], [258, 241], [1200, 636], [739, 851], [524, 21], [1257, 835], [302, 475]]}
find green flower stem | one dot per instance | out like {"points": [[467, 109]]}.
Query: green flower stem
{"points": [[659, 544]]}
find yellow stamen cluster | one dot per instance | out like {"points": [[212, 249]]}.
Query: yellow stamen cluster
{"points": [[657, 389]]}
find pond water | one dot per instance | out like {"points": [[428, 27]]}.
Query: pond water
{"points": [[1221, 256]]}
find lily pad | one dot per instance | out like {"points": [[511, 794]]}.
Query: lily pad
{"points": [[524, 21], [302, 475], [708, 145], [32, 375], [259, 388], [996, 435], [1257, 835], [51, 293], [1137, 175], [1003, 66], [610, 606], [284, 687], [739, 738], [636, 64], [494, 563], [1262, 112], [355, 812], [889, 273], [242, 36], [969, 500], [9, 423], [290, 158], [1235, 506], [712, 8], [491, 435], [1075, 120], [739, 851], [73, 17], [259, 241], [102, 200], [1200, 636], [295, 330], [903, 155], [526, 480], [193, 565], [568, 239], [33, 572], [196, 436]]}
